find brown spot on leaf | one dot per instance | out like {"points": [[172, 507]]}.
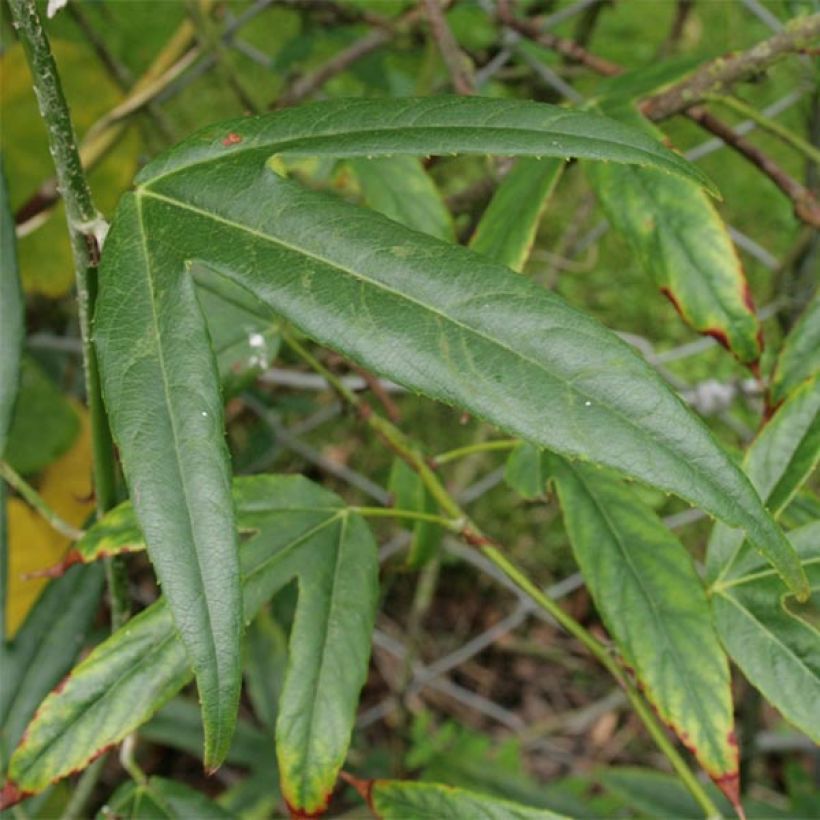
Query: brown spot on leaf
{"points": [[11, 795], [231, 139]]}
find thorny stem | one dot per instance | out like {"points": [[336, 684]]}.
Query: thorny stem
{"points": [[86, 229], [409, 451], [33, 498]]}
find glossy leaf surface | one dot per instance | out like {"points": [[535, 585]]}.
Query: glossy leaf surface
{"points": [[772, 637], [507, 228], [800, 357], [646, 589], [301, 531], [405, 800], [681, 242], [11, 314], [778, 461], [401, 189]]}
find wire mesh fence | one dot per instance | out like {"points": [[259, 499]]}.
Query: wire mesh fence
{"points": [[437, 676]]}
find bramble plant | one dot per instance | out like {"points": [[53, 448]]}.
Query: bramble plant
{"points": [[235, 227]]}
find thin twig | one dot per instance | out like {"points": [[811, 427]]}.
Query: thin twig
{"points": [[806, 206], [459, 65], [308, 84], [33, 498], [721, 74], [561, 45]]}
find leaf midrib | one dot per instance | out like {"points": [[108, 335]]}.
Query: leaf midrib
{"points": [[702, 475], [214, 655], [695, 701]]}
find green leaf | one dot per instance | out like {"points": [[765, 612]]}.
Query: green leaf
{"points": [[161, 799], [481, 338], [404, 800], [178, 725], [433, 125], [401, 189], [301, 531], [44, 424], [773, 638], [525, 471], [44, 648], [778, 461], [507, 229], [681, 242], [266, 658], [162, 390], [245, 337], [12, 315], [409, 493], [800, 357], [654, 605]]}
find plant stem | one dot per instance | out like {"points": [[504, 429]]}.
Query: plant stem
{"points": [[471, 449], [768, 124], [33, 498], [409, 451], [86, 229], [453, 526]]}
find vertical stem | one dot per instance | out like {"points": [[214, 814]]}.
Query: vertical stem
{"points": [[85, 228]]}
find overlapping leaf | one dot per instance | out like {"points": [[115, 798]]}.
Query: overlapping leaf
{"points": [[400, 800], [778, 461], [400, 188], [301, 531], [653, 603], [508, 226], [432, 316], [772, 637], [409, 493], [44, 648], [161, 799], [681, 242], [800, 357], [11, 315]]}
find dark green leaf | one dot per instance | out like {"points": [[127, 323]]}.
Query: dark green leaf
{"points": [[526, 472], [178, 725], [409, 493], [481, 337], [778, 461], [266, 658], [170, 432], [654, 605], [43, 425], [405, 800], [507, 229], [800, 357], [11, 314], [44, 648], [681, 242], [435, 125], [772, 637], [400, 188], [161, 799], [301, 531]]}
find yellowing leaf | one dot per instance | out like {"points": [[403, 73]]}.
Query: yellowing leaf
{"points": [[33, 544]]}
